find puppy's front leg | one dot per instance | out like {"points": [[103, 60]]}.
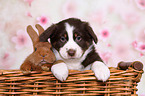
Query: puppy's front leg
{"points": [[60, 70], [101, 71]]}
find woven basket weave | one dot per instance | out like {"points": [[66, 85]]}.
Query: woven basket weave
{"points": [[79, 83]]}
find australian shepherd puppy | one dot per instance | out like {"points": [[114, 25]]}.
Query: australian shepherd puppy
{"points": [[73, 42]]}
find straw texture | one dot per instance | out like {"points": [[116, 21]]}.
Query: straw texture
{"points": [[79, 83]]}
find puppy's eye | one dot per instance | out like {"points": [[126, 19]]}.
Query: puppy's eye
{"points": [[63, 39], [78, 38]]}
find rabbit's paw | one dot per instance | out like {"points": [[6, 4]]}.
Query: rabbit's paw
{"points": [[101, 71], [45, 68], [60, 71], [26, 72]]}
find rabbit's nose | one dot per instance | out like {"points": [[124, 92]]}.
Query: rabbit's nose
{"points": [[43, 56]]}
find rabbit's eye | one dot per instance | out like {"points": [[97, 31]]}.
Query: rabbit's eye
{"points": [[35, 49], [51, 48]]}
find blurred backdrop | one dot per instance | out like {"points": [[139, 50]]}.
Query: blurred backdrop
{"points": [[118, 24]]}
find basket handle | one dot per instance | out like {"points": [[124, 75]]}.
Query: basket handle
{"points": [[137, 65], [138, 77]]}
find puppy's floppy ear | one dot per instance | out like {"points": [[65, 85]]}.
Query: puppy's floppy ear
{"points": [[47, 33], [91, 32]]}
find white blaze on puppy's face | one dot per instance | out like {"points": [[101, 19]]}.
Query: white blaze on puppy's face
{"points": [[70, 45]]}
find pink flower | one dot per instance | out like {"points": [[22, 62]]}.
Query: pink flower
{"points": [[130, 18], [122, 51], [140, 4], [104, 34], [43, 20], [141, 54], [106, 56], [98, 17], [134, 44], [28, 14], [6, 59], [141, 47], [21, 39], [70, 8], [109, 45], [29, 2]]}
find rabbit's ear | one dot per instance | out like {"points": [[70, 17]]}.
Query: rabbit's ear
{"points": [[39, 28], [33, 34]]}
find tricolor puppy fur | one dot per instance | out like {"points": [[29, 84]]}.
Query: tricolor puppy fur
{"points": [[73, 42], [42, 57]]}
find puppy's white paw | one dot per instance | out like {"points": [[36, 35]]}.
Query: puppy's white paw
{"points": [[60, 71], [101, 71]]}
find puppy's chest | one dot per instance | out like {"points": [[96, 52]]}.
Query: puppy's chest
{"points": [[74, 65]]}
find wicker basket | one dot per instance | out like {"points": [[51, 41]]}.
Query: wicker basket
{"points": [[84, 83]]}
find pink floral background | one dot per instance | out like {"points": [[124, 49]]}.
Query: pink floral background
{"points": [[119, 25]]}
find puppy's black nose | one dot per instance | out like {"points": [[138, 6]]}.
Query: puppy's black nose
{"points": [[71, 52]]}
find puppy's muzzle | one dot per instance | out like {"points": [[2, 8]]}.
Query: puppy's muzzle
{"points": [[71, 52]]}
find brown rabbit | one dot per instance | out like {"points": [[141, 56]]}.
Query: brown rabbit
{"points": [[42, 57]]}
